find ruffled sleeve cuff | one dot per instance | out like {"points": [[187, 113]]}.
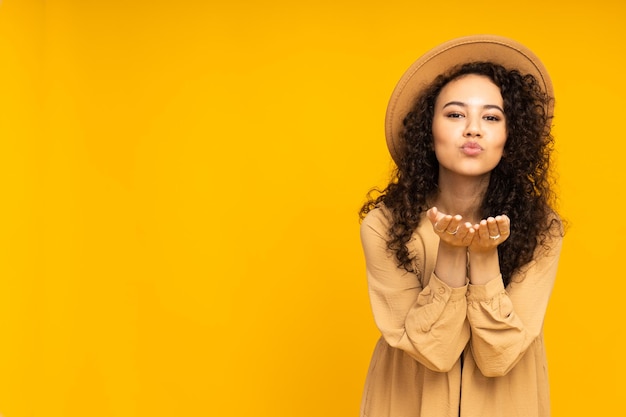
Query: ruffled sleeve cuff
{"points": [[486, 291], [444, 291]]}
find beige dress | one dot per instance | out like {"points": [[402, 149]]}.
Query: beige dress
{"points": [[474, 351]]}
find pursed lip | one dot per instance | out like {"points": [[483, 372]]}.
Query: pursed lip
{"points": [[471, 148]]}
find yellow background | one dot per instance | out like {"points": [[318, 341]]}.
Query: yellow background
{"points": [[180, 184]]}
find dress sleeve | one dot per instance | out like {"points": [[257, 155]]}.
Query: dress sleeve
{"points": [[429, 323], [505, 322]]}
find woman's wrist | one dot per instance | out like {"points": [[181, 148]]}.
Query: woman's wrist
{"points": [[483, 266], [451, 266]]}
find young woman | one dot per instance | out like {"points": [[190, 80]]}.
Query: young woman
{"points": [[462, 246]]}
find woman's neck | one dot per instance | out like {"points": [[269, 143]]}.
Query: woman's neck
{"points": [[461, 195]]}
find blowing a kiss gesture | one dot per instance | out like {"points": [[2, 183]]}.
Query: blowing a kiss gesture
{"points": [[458, 238], [487, 234], [468, 126]]}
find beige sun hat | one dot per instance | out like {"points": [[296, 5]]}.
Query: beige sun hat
{"points": [[497, 49]]}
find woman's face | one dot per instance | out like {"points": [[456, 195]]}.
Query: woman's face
{"points": [[469, 126]]}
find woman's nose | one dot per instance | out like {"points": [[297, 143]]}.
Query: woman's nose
{"points": [[472, 129]]}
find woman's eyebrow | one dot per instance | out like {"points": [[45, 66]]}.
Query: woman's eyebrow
{"points": [[460, 103]]}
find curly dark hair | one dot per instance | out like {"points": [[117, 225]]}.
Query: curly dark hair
{"points": [[520, 186]]}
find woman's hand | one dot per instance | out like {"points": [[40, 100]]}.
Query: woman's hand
{"points": [[451, 229], [490, 233], [484, 264]]}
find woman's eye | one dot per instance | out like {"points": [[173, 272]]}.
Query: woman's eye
{"points": [[455, 115], [492, 118]]}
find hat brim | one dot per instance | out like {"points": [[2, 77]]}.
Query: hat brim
{"points": [[497, 49]]}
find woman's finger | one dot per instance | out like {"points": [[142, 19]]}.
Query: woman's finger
{"points": [[504, 225], [492, 229]]}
